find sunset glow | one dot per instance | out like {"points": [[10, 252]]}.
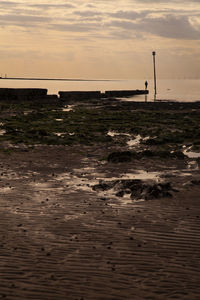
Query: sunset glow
{"points": [[100, 38]]}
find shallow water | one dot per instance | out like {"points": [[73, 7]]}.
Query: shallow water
{"points": [[6, 189], [2, 131], [115, 133], [134, 142], [59, 133], [27, 112], [191, 154], [143, 175], [193, 165], [68, 108]]}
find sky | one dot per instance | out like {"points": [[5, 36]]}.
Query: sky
{"points": [[100, 39]]}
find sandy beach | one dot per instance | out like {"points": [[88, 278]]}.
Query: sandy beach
{"points": [[69, 226]]}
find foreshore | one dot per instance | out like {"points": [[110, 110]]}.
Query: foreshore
{"points": [[99, 200]]}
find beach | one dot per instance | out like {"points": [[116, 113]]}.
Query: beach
{"points": [[100, 200]]}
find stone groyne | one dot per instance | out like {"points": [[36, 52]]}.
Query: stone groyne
{"points": [[21, 94], [79, 95], [125, 93]]}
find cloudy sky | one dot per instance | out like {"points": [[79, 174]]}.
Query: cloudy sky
{"points": [[100, 38]]}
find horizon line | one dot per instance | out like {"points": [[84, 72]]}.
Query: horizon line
{"points": [[58, 79]]}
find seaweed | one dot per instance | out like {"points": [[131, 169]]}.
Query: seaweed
{"points": [[169, 129], [128, 156]]}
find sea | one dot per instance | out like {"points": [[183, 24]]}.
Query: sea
{"points": [[181, 90]]}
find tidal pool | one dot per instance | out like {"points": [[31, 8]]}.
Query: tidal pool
{"points": [[136, 141], [58, 133], [191, 154], [115, 133], [68, 108], [2, 131]]}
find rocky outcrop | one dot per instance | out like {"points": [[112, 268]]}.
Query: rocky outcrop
{"points": [[128, 156], [121, 156], [137, 188]]}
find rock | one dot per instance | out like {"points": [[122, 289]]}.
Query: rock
{"points": [[158, 191], [117, 157], [195, 182], [120, 194], [137, 194], [101, 187], [137, 188], [128, 184]]}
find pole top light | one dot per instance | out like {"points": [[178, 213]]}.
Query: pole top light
{"points": [[154, 53]]}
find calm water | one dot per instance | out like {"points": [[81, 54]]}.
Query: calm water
{"points": [[179, 90]]}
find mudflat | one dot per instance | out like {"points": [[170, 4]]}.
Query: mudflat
{"points": [[100, 200]]}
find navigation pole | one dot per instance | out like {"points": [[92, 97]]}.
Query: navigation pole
{"points": [[154, 68]]}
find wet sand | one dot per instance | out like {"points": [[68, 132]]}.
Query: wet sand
{"points": [[60, 239]]}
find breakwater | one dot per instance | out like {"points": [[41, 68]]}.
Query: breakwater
{"points": [[22, 94], [79, 95], [73, 95], [36, 93]]}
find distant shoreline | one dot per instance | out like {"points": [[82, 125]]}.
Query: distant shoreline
{"points": [[57, 79]]}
